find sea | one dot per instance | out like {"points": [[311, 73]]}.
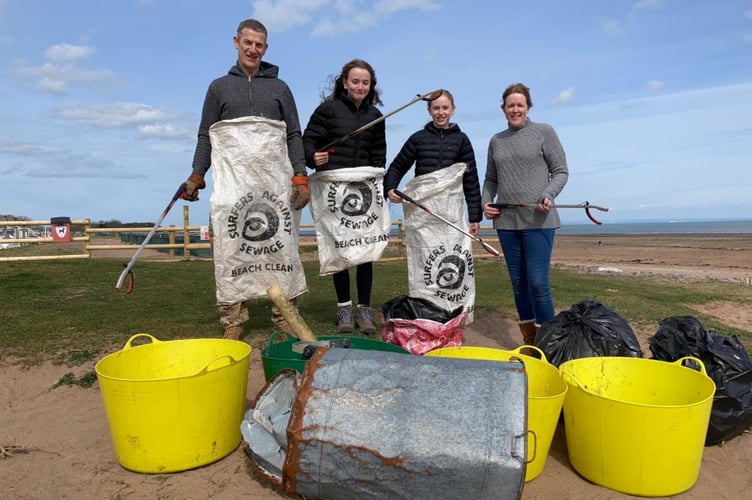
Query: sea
{"points": [[650, 227], [725, 226]]}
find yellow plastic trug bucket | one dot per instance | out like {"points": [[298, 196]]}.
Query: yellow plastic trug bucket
{"points": [[545, 394], [174, 405], [637, 425]]}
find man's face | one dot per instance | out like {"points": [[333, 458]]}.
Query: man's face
{"points": [[251, 47]]}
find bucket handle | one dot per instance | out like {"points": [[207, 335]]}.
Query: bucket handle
{"points": [[517, 443], [535, 446], [205, 369], [699, 362], [274, 337], [533, 348], [137, 335]]}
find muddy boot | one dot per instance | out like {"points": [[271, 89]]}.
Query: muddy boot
{"points": [[345, 318], [528, 329], [364, 320], [233, 332]]}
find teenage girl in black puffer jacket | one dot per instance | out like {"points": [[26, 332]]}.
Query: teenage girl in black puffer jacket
{"points": [[438, 145], [350, 106]]}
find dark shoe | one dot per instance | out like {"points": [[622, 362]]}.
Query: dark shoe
{"points": [[345, 319], [364, 320]]}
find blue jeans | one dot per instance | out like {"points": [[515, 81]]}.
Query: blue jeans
{"points": [[528, 256]]}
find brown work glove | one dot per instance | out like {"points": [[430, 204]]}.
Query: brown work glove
{"points": [[192, 185], [300, 195]]}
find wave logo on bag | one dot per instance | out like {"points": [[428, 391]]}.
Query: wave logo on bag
{"points": [[255, 220], [447, 271], [355, 201]]}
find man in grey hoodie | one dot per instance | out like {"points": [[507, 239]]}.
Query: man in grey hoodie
{"points": [[250, 89]]}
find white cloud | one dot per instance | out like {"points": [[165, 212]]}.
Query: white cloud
{"points": [[82, 166], [115, 115], [611, 26], [391, 6], [61, 71], [24, 148], [653, 85], [329, 17], [164, 131], [285, 14], [564, 96], [649, 5], [66, 52]]}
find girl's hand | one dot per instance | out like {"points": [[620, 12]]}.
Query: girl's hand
{"points": [[320, 159], [474, 228], [394, 197], [490, 212]]}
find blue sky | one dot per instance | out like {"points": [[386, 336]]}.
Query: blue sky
{"points": [[652, 99]]}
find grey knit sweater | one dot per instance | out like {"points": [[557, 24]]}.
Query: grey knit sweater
{"points": [[236, 95], [525, 165]]}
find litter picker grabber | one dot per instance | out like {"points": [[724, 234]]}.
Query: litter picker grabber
{"points": [[127, 271], [586, 205], [430, 96], [488, 248]]}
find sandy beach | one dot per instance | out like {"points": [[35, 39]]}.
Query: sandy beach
{"points": [[56, 443]]}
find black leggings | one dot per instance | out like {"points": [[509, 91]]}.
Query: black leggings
{"points": [[363, 281]]}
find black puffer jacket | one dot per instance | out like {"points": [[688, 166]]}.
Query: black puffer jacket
{"points": [[336, 118], [432, 149]]}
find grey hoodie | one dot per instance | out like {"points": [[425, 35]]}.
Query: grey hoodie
{"points": [[236, 95]]}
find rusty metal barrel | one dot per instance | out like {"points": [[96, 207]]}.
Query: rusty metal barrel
{"points": [[371, 424]]}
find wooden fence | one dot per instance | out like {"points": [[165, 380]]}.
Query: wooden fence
{"points": [[81, 231]]}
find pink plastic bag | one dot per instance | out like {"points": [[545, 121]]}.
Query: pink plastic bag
{"points": [[418, 336]]}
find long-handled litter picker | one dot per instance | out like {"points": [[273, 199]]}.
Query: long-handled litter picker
{"points": [[586, 205], [127, 270], [430, 96], [488, 248]]}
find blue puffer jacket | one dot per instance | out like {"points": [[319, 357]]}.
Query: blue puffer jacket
{"points": [[335, 118], [432, 149]]}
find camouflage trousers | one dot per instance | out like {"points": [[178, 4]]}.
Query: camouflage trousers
{"points": [[237, 315]]}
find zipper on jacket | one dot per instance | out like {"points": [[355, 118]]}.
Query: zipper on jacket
{"points": [[250, 94], [441, 148]]}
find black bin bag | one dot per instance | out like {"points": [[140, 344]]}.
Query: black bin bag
{"points": [[726, 362], [585, 330], [405, 307]]}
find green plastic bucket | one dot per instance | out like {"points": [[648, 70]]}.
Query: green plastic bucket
{"points": [[279, 354]]}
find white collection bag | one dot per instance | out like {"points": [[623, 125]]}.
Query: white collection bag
{"points": [[350, 215], [255, 229], [439, 258]]}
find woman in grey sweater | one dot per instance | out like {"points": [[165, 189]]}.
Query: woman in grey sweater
{"points": [[526, 165]]}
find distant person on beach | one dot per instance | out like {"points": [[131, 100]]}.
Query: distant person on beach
{"points": [[250, 134], [446, 178], [526, 164], [349, 169]]}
